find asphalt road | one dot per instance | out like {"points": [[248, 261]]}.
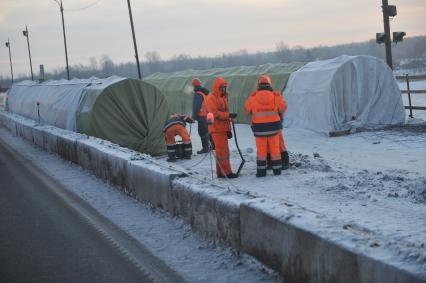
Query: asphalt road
{"points": [[43, 239]]}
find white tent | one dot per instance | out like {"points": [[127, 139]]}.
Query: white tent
{"points": [[343, 94], [59, 100]]}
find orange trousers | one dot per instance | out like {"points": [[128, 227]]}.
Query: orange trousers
{"points": [[177, 130], [267, 145], [223, 166]]}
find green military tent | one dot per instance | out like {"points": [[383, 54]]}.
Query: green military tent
{"points": [[125, 111], [177, 89]]}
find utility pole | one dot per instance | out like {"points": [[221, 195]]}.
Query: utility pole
{"points": [[134, 40], [386, 12], [25, 33], [65, 38], [10, 58]]}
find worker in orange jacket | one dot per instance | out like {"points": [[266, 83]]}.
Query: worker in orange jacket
{"points": [[176, 126], [220, 128], [266, 108]]}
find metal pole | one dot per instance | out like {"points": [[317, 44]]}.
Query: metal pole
{"points": [[134, 40], [387, 32], [409, 95], [29, 50], [10, 58], [65, 41]]}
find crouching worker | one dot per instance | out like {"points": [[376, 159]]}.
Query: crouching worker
{"points": [[176, 126], [220, 127], [266, 108]]}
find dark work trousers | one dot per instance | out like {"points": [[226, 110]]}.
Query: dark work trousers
{"points": [[203, 131]]}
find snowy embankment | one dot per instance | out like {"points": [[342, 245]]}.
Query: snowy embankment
{"points": [[362, 197]]}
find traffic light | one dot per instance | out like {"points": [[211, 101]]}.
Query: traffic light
{"points": [[390, 10], [380, 37], [398, 36]]}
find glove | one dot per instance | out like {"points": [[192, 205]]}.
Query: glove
{"points": [[233, 115], [229, 135]]}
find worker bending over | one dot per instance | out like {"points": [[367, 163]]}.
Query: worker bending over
{"points": [[220, 128], [266, 108], [176, 126], [199, 113]]}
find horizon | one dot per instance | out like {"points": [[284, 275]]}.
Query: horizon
{"points": [[178, 35]]}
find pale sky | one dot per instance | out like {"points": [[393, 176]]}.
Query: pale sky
{"points": [[194, 27]]}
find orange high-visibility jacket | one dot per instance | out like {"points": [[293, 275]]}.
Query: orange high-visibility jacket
{"points": [[218, 106], [203, 108], [266, 108]]}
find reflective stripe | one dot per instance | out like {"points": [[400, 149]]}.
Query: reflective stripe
{"points": [[261, 158], [278, 157], [261, 167], [188, 149], [263, 114], [168, 125], [171, 144], [277, 167], [171, 150], [203, 108], [270, 133]]}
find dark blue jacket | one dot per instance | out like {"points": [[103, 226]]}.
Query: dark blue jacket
{"points": [[198, 100]]}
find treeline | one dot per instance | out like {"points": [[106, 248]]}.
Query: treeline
{"points": [[409, 54]]}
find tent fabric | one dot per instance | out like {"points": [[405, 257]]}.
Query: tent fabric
{"points": [[344, 93], [242, 81], [125, 111]]}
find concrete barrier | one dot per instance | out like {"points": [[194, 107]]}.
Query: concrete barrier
{"points": [[304, 247], [104, 164], [214, 212], [151, 183]]}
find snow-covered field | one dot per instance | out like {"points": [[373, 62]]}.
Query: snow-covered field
{"points": [[374, 179]]}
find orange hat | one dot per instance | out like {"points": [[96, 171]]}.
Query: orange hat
{"points": [[265, 79], [196, 82]]}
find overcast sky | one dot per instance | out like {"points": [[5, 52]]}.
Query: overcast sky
{"points": [[194, 27]]}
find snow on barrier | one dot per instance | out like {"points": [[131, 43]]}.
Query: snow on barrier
{"points": [[307, 247], [300, 244]]}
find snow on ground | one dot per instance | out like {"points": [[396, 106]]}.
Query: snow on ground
{"points": [[374, 179], [170, 239]]}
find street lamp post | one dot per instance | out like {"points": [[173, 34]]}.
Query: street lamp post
{"points": [[10, 58], [388, 47], [25, 33], [134, 40], [65, 39]]}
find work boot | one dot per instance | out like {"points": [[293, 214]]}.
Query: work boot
{"points": [[171, 152], [205, 144], [171, 159], [261, 168], [285, 160], [187, 150], [268, 162], [229, 176], [261, 173], [232, 176]]}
